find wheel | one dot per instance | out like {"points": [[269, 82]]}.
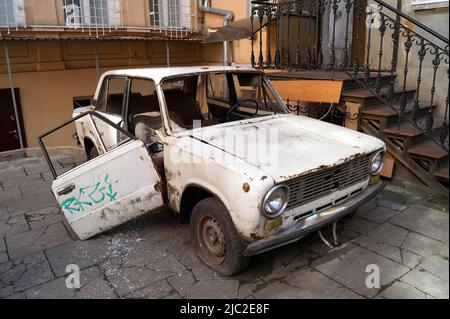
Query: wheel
{"points": [[93, 153], [215, 239]]}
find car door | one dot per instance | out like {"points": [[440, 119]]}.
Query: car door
{"points": [[111, 104], [109, 190]]}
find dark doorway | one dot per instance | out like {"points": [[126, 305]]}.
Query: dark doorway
{"points": [[359, 32], [9, 134]]}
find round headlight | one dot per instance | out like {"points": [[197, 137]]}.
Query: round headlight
{"points": [[376, 164], [275, 201]]}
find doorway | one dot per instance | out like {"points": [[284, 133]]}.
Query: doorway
{"points": [[9, 133]]}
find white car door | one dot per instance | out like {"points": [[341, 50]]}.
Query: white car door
{"points": [[109, 190]]}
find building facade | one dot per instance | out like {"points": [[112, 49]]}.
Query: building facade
{"points": [[57, 49]]}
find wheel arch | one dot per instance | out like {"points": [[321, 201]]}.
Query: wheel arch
{"points": [[192, 195]]}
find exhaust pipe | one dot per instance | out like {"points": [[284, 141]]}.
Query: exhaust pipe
{"points": [[205, 6]]}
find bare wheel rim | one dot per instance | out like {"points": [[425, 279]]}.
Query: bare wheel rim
{"points": [[212, 240]]}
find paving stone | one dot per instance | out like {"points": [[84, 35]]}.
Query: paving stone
{"points": [[27, 161], [22, 180], [386, 250], [378, 215], [127, 280], [182, 282], [427, 282], [246, 290], [313, 284], [35, 188], [26, 272], [389, 234], [424, 220], [410, 259], [10, 173], [390, 203], [422, 245], [156, 291], [2, 245], [360, 225], [44, 217], [348, 266], [219, 288], [4, 214], [367, 207], [35, 240], [39, 168], [55, 289], [82, 253], [3, 257], [400, 290], [93, 286], [437, 266], [278, 290], [10, 195], [6, 291], [38, 201], [13, 225]]}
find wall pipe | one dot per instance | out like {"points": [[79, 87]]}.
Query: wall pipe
{"points": [[205, 6]]}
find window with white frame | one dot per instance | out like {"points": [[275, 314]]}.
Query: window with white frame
{"points": [[428, 4], [12, 13], [170, 14], [94, 13]]}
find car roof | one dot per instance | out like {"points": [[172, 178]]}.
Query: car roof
{"points": [[159, 74]]}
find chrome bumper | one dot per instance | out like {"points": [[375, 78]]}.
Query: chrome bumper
{"points": [[313, 223]]}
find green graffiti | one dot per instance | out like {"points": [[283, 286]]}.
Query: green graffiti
{"points": [[90, 195]]}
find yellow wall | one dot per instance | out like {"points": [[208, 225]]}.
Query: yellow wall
{"points": [[49, 74]]}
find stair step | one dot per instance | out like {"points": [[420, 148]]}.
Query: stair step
{"points": [[366, 94], [428, 149], [382, 111], [406, 129], [442, 173]]}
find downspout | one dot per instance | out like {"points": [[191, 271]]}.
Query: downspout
{"points": [[205, 6]]}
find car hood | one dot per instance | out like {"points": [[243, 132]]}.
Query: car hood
{"points": [[288, 146]]}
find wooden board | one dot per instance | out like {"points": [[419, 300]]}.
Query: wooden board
{"points": [[388, 168], [319, 91], [353, 111]]}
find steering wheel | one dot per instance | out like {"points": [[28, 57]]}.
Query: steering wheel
{"points": [[234, 107]]}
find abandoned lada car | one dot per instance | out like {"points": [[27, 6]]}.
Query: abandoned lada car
{"points": [[218, 146]]}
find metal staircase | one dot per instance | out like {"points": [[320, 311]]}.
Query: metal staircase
{"points": [[394, 67]]}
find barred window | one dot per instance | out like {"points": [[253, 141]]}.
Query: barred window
{"points": [[94, 13], [12, 13]]}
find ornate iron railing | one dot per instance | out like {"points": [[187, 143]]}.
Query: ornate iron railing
{"points": [[330, 34]]}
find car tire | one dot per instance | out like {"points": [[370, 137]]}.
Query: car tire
{"points": [[215, 239], [93, 153]]}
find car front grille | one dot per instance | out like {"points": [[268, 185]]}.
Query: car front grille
{"points": [[312, 186]]}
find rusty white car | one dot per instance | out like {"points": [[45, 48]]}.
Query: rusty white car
{"points": [[218, 146]]}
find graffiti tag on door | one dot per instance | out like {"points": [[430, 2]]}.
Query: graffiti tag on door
{"points": [[89, 196]]}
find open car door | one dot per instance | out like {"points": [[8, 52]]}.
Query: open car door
{"points": [[109, 190]]}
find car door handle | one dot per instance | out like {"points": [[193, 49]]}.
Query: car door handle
{"points": [[66, 189]]}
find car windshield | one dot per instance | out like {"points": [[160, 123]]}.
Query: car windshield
{"points": [[215, 98]]}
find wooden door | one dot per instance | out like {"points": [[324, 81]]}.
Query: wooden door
{"points": [[9, 133]]}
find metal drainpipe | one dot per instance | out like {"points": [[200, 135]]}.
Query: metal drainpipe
{"points": [[205, 6]]}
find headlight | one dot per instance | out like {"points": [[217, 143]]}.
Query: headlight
{"points": [[376, 164], [275, 201]]}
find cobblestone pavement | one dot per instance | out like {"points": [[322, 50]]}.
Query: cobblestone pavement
{"points": [[405, 234]]}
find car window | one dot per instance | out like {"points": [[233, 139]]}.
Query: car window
{"points": [[112, 96], [218, 87]]}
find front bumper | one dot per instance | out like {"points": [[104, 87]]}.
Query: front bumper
{"points": [[313, 223]]}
